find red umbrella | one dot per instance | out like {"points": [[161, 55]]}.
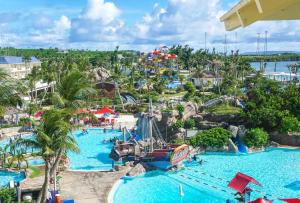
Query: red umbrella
{"points": [[38, 114], [104, 110], [261, 200], [173, 56], [291, 200], [240, 182]]}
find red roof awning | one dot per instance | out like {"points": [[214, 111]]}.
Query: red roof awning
{"points": [[291, 200], [261, 200], [240, 182], [104, 110]]}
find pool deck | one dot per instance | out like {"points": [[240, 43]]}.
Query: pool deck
{"points": [[89, 187]]}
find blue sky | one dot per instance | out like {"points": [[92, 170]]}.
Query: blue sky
{"points": [[132, 24]]}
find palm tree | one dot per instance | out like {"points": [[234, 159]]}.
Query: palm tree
{"points": [[53, 139], [72, 89], [10, 92], [3, 155]]}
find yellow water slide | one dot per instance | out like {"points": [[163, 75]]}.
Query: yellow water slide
{"points": [[247, 12]]}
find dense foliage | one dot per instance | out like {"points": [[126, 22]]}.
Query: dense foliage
{"points": [[256, 137], [180, 109], [290, 124], [190, 123], [268, 103], [7, 195], [216, 137], [178, 124]]}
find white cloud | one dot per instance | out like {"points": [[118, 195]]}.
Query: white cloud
{"points": [[100, 10], [98, 22], [100, 25], [63, 24], [182, 21]]}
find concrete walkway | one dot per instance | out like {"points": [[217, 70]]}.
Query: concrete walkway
{"points": [[88, 187]]}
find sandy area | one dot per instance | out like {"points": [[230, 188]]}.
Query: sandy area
{"points": [[88, 187]]}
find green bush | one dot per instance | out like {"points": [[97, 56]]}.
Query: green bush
{"points": [[7, 195], [190, 123], [24, 121], [167, 110], [179, 141], [216, 137], [177, 125], [256, 137], [290, 124], [189, 87], [180, 109], [188, 96]]}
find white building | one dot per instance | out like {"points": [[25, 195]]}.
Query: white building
{"points": [[16, 67]]}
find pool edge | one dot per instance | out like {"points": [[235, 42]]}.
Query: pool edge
{"points": [[110, 197]]}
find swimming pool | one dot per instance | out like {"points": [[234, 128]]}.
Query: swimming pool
{"points": [[274, 169], [6, 176], [94, 153], [173, 85]]}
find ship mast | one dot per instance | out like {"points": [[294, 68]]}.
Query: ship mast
{"points": [[150, 125]]}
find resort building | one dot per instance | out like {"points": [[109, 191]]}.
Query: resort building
{"points": [[17, 67], [206, 79]]}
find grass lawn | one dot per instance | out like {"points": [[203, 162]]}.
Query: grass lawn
{"points": [[224, 109], [35, 171], [168, 95]]}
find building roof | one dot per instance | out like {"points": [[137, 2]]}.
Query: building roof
{"points": [[247, 12], [16, 60]]}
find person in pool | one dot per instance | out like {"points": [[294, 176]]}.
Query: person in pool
{"points": [[84, 131]]}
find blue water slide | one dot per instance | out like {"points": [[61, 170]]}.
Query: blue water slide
{"points": [[242, 148]]}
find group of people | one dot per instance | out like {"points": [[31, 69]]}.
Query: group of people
{"points": [[195, 159], [111, 140]]}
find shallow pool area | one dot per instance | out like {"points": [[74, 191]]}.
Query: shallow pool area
{"points": [[7, 176], [275, 169], [174, 85], [94, 152]]}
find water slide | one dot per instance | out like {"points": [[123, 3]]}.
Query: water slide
{"points": [[242, 148]]}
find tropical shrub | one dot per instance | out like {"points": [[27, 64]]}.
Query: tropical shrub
{"points": [[190, 88], [216, 137], [290, 124], [167, 110], [268, 103], [180, 109], [7, 195], [177, 125], [190, 123], [256, 137], [179, 141]]}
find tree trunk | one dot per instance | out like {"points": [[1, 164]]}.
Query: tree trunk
{"points": [[56, 162], [43, 194]]}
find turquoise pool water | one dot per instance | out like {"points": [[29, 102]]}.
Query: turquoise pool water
{"points": [[94, 153], [173, 85], [36, 162], [6, 176], [274, 169]]}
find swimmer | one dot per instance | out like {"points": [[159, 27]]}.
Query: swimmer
{"points": [[195, 158], [201, 161]]}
